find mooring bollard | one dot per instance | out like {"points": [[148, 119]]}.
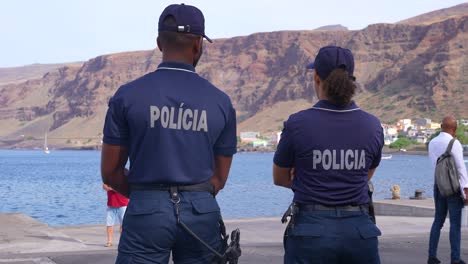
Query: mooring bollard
{"points": [[418, 194]]}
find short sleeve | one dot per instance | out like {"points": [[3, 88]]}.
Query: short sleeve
{"points": [[226, 143], [116, 130], [284, 155], [379, 142]]}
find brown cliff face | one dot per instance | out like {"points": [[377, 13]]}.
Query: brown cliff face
{"points": [[403, 70], [34, 71], [422, 68], [438, 15]]}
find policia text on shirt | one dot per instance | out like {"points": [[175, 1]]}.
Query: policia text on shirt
{"points": [[173, 118]]}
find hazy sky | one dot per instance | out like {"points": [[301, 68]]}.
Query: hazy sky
{"points": [[51, 31]]}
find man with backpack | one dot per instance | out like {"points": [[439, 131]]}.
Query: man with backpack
{"points": [[450, 188]]}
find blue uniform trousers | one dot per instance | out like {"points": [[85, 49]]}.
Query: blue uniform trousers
{"points": [[150, 229], [332, 237]]}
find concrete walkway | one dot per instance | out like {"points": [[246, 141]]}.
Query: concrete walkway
{"points": [[27, 241]]}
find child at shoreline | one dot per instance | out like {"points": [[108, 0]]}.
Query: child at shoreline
{"points": [[116, 206]]}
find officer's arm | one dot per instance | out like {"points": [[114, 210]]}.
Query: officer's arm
{"points": [[282, 176], [371, 173], [222, 165], [113, 160]]}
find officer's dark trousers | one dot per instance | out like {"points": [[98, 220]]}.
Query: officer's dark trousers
{"points": [[332, 237], [150, 231]]}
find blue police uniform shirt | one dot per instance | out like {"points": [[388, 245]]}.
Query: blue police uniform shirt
{"points": [[173, 122], [332, 149]]}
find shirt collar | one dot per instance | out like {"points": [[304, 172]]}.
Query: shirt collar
{"points": [[445, 134], [329, 106], [176, 66]]}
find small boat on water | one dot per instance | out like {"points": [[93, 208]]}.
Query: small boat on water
{"points": [[46, 149], [386, 157]]}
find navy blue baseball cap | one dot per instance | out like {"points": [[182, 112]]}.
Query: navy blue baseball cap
{"points": [[189, 19], [330, 58]]}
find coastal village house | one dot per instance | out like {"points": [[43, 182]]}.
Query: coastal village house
{"points": [[390, 133], [259, 143], [422, 123], [403, 124], [419, 130], [421, 139], [412, 133], [247, 137], [434, 125], [253, 138]]}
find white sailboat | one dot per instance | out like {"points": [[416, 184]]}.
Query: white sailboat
{"points": [[46, 149], [386, 157]]}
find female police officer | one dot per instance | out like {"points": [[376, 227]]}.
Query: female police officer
{"points": [[326, 155]]}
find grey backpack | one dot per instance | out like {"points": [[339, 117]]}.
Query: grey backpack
{"points": [[446, 173]]}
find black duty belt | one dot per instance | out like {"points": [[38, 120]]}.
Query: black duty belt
{"points": [[295, 208], [200, 187], [320, 207]]}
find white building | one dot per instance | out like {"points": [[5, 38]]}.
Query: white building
{"points": [[421, 139], [259, 143], [249, 136], [390, 130], [412, 133], [428, 132], [433, 125], [404, 124], [422, 123]]}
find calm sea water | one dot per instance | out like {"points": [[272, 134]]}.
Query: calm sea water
{"points": [[64, 187]]}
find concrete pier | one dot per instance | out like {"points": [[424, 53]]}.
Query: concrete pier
{"points": [[414, 208], [23, 240]]}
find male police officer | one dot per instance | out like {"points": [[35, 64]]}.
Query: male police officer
{"points": [[332, 150], [179, 132]]}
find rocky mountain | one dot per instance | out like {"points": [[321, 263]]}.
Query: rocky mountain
{"points": [[403, 70], [28, 72], [332, 27], [438, 15]]}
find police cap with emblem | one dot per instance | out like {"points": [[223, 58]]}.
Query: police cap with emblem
{"points": [[330, 58], [189, 19]]}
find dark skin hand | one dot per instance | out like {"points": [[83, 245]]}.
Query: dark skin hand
{"points": [[221, 172], [113, 172], [283, 176]]}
